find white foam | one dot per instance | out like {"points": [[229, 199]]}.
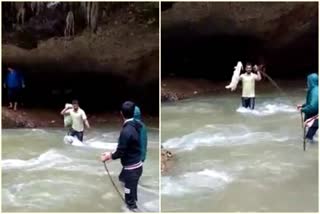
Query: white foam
{"points": [[198, 108], [91, 143], [222, 135], [202, 138], [42, 131], [268, 108], [193, 182], [102, 145], [111, 135], [46, 160], [152, 206], [14, 163], [108, 195], [214, 174]]}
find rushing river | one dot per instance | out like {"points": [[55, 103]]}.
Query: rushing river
{"points": [[231, 159], [41, 173]]}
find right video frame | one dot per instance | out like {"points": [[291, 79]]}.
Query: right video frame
{"points": [[239, 111]]}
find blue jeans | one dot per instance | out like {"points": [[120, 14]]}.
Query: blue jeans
{"points": [[248, 102], [77, 134]]}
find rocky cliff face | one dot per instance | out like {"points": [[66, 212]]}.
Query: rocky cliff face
{"points": [[284, 35], [126, 39], [114, 50]]}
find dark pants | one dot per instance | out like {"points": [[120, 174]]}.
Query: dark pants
{"points": [[121, 176], [77, 134], [13, 95], [312, 130], [248, 102], [130, 178]]}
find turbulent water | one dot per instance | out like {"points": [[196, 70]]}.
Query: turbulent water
{"points": [[41, 173], [231, 159]]}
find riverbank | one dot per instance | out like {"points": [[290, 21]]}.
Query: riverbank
{"points": [[47, 118], [174, 88]]}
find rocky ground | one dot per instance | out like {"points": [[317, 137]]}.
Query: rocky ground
{"points": [[44, 118], [166, 160], [174, 89]]}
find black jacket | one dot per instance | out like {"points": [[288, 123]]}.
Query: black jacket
{"points": [[129, 146]]}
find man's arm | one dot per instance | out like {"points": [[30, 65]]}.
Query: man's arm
{"points": [[85, 119], [257, 77], [65, 111], [313, 105], [86, 122], [122, 145]]}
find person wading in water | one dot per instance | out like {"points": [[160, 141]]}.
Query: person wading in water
{"points": [[129, 150], [248, 86], [310, 108], [78, 117]]}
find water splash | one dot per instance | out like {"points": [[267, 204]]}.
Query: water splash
{"points": [[269, 108], [192, 182]]}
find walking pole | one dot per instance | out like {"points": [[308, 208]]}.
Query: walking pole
{"points": [[114, 185], [304, 132]]}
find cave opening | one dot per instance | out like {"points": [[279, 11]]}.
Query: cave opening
{"points": [[49, 86], [191, 54]]}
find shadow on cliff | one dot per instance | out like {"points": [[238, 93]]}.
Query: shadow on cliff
{"points": [[209, 40]]}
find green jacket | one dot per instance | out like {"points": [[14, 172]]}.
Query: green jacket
{"points": [[310, 108], [143, 133]]}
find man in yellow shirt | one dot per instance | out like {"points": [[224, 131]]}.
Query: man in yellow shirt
{"points": [[79, 118], [248, 85]]}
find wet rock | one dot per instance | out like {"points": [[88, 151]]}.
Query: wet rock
{"points": [[166, 157], [12, 119], [167, 96]]}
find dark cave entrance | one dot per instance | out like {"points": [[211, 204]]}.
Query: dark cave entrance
{"points": [[188, 54], [51, 87]]}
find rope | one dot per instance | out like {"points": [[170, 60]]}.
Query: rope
{"points": [[302, 122], [274, 84], [114, 185]]}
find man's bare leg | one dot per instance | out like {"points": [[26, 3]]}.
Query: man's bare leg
{"points": [[15, 106], [10, 105]]}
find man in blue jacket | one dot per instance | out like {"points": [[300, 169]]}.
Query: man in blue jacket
{"points": [[14, 82], [129, 151], [310, 108]]}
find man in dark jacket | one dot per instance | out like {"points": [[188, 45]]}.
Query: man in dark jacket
{"points": [[310, 108], [129, 151], [14, 82]]}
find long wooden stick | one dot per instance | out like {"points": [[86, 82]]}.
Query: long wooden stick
{"points": [[304, 132]]}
